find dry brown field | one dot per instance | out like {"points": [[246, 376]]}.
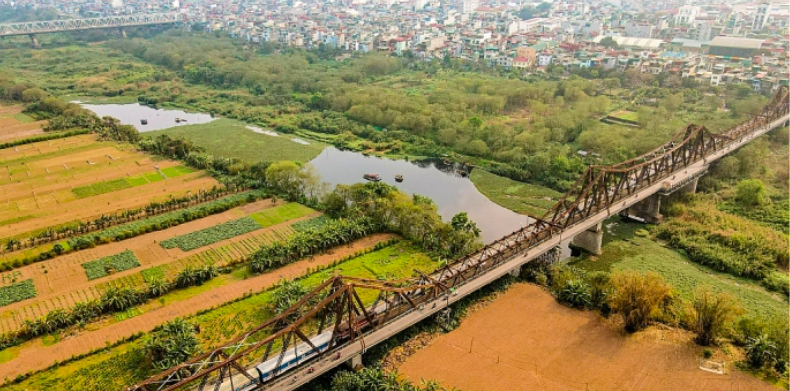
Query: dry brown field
{"points": [[36, 182], [11, 128], [526, 340]]}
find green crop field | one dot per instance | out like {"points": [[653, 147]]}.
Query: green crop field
{"points": [[226, 137], [153, 273], [211, 235], [277, 215], [176, 171], [314, 223], [17, 292], [118, 262], [153, 177], [643, 254], [519, 197]]}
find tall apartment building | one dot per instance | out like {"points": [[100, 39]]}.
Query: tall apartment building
{"points": [[762, 16], [687, 14], [466, 6]]}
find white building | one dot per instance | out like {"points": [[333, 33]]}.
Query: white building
{"points": [[638, 30], [466, 6], [762, 16], [703, 31], [687, 14]]}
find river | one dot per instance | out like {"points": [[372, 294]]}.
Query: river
{"points": [[443, 183]]}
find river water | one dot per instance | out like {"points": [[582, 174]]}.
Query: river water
{"points": [[158, 119], [443, 183]]}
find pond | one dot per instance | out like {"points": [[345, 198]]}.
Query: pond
{"points": [[158, 119], [442, 182]]}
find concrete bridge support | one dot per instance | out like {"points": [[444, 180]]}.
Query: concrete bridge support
{"points": [[648, 209], [355, 363], [122, 31], [590, 240], [689, 188], [34, 41]]}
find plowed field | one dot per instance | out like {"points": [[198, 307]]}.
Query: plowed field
{"points": [[525, 340]]}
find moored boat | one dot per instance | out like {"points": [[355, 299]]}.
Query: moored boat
{"points": [[144, 122], [372, 177], [399, 178]]}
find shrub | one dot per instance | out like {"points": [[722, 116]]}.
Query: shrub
{"points": [[576, 293], [750, 192], [637, 297], [711, 313], [760, 351], [173, 344]]}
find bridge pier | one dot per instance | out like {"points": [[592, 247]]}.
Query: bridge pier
{"points": [[648, 209], [355, 363], [590, 240], [34, 41], [122, 32], [689, 188]]}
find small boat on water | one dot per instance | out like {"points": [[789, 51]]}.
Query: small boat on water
{"points": [[144, 122], [372, 177], [463, 173], [178, 120], [399, 178]]}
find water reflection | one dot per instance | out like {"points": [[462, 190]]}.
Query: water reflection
{"points": [[442, 182], [134, 113]]}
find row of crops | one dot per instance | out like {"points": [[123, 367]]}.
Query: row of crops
{"points": [[211, 235], [115, 263], [217, 233], [125, 183], [314, 223], [17, 292]]}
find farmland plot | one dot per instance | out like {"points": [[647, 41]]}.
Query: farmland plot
{"points": [[108, 265], [17, 292]]}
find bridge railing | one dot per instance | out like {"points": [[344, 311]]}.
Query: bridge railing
{"points": [[336, 306], [51, 26]]}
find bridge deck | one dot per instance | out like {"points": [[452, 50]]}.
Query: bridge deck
{"points": [[53, 26]]}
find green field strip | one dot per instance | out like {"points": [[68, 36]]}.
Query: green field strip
{"points": [[153, 177]]}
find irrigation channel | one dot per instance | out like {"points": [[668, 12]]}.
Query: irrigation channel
{"points": [[446, 183]]}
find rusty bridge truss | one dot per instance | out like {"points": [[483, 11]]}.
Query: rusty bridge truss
{"points": [[337, 309], [53, 26]]}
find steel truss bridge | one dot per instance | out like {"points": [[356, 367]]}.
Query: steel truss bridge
{"points": [[336, 306], [53, 26]]}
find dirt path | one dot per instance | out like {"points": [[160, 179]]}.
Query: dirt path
{"points": [[525, 340], [35, 356]]}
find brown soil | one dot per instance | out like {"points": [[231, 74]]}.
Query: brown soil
{"points": [[525, 340], [61, 281], [35, 356]]}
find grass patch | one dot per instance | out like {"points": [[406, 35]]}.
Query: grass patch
{"points": [[50, 339], [130, 313], [137, 180], [17, 292], [277, 215], [112, 264], [517, 196], [101, 188], [227, 137], [154, 177], [626, 115], [176, 171], [624, 250], [153, 274], [23, 118], [211, 235]]}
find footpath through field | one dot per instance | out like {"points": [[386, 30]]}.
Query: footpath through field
{"points": [[35, 356], [525, 340]]}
